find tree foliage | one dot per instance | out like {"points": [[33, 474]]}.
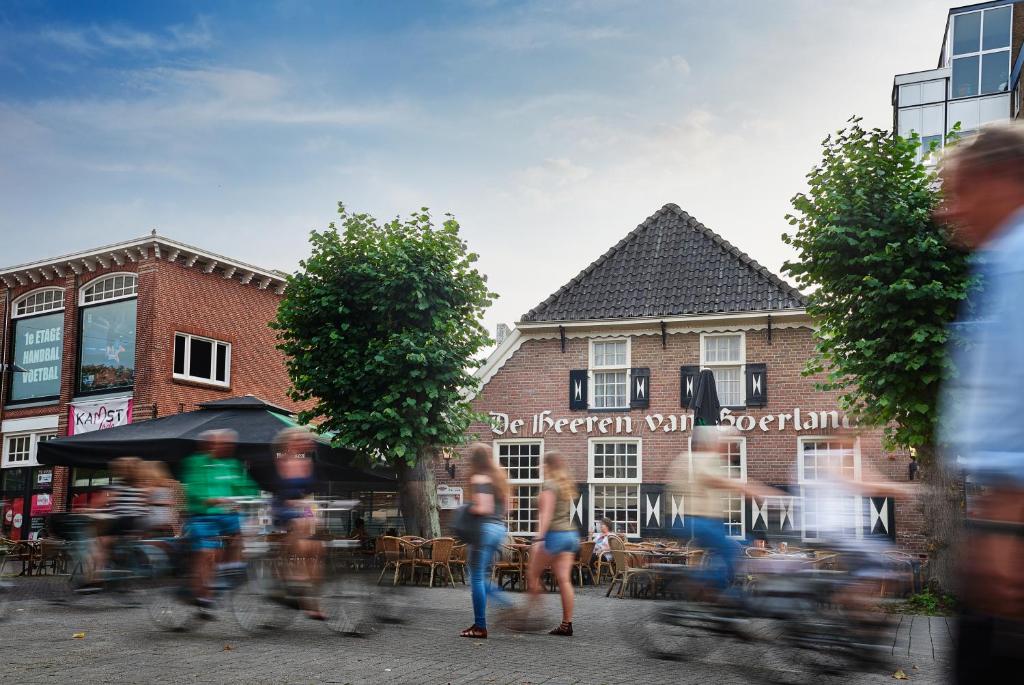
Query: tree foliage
{"points": [[884, 281], [381, 327]]}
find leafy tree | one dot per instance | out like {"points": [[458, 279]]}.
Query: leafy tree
{"points": [[381, 327], [884, 284]]}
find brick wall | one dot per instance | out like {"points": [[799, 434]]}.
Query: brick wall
{"points": [[535, 379]]}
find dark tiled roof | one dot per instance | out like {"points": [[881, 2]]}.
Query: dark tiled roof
{"points": [[669, 265]]}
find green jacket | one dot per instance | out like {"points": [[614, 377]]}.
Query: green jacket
{"points": [[204, 477]]}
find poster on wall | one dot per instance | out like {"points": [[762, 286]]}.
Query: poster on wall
{"points": [[107, 347], [449, 497], [38, 349], [85, 417]]}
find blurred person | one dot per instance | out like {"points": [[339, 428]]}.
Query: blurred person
{"points": [[359, 531], [211, 479], [983, 188], [557, 538], [164, 495], [292, 511], [125, 504], [701, 480], [489, 500], [601, 546]]}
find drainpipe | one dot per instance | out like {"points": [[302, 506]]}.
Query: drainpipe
{"points": [[3, 351]]}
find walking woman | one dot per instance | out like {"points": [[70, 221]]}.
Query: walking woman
{"points": [[557, 539], [489, 493]]}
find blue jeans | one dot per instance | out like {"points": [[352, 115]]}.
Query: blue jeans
{"points": [[481, 559], [709, 533]]}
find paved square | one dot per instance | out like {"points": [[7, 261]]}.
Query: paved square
{"points": [[121, 645]]}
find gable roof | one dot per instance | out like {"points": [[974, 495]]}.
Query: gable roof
{"points": [[669, 265]]}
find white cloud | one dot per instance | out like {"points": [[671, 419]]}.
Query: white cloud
{"points": [[118, 37], [676, 64]]}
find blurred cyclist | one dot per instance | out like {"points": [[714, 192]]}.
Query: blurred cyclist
{"points": [[126, 505], [983, 186], [293, 513], [211, 478]]}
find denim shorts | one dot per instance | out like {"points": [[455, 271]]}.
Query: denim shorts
{"points": [[559, 541], [205, 531]]}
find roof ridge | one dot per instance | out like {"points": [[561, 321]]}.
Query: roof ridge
{"points": [[646, 223]]}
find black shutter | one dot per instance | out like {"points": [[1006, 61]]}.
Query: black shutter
{"points": [[757, 385], [687, 381], [640, 388], [653, 505], [881, 517], [578, 389], [579, 511]]}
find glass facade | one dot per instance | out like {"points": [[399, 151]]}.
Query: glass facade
{"points": [[38, 348]]}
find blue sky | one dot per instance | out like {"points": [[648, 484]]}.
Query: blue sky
{"points": [[550, 129]]}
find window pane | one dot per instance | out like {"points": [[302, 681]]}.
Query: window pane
{"points": [[179, 354], [997, 29], [966, 32], [200, 363], [909, 121], [523, 515], [222, 361], [965, 77], [728, 384], [38, 348], [610, 353], [933, 91], [910, 94], [995, 72], [609, 389], [722, 348], [107, 347], [620, 503]]}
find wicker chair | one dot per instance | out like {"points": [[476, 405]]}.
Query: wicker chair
{"points": [[510, 566], [626, 567], [582, 563], [459, 560], [605, 566], [757, 552], [52, 554], [440, 557], [396, 553]]}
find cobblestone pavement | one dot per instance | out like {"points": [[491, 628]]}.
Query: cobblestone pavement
{"points": [[37, 645]]}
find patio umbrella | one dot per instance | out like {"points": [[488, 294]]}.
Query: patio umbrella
{"points": [[706, 409], [172, 438]]}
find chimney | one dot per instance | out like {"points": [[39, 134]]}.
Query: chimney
{"points": [[503, 332]]}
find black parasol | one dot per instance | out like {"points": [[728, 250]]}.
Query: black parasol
{"points": [[172, 438], [706, 409]]}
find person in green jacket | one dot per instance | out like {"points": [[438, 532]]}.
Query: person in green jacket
{"points": [[211, 479]]}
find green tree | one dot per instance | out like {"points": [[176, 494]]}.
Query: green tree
{"points": [[884, 282], [381, 327]]}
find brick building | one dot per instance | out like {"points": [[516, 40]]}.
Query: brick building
{"points": [[602, 369], [116, 334]]}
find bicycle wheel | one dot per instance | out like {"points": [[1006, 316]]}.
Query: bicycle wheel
{"points": [[351, 606], [259, 605], [170, 608]]}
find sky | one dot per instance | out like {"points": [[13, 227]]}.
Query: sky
{"points": [[549, 129]]}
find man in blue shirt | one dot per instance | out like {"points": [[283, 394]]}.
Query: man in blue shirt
{"points": [[983, 422]]}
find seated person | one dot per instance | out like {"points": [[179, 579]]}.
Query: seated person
{"points": [[601, 540], [359, 531]]}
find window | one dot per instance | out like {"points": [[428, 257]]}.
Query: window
{"points": [[819, 456], [981, 52], [39, 301], [927, 122], [106, 350], [609, 364], [734, 467], [819, 460], [522, 464], [725, 355], [201, 359], [112, 287], [20, 449], [615, 475], [922, 93]]}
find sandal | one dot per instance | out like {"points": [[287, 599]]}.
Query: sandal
{"points": [[562, 629], [474, 631], [316, 615]]}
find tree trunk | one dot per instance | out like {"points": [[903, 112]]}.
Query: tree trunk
{"points": [[419, 497], [942, 507]]}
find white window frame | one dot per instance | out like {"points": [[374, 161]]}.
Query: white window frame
{"points": [[980, 52], [742, 363], [113, 298], [626, 482], [592, 369], [732, 494], [212, 380], [516, 482], [58, 305], [35, 437], [858, 501]]}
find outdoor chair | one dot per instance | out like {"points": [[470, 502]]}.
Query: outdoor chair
{"points": [[626, 567], [899, 573], [440, 557], [13, 552], [459, 560], [757, 552], [396, 553], [582, 563], [52, 554], [605, 567], [510, 566]]}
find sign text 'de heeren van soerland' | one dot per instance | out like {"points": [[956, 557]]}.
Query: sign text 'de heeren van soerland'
{"points": [[538, 424]]}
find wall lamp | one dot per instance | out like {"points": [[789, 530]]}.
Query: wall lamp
{"points": [[448, 454]]}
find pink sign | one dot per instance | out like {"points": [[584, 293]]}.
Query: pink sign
{"points": [[85, 417]]}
